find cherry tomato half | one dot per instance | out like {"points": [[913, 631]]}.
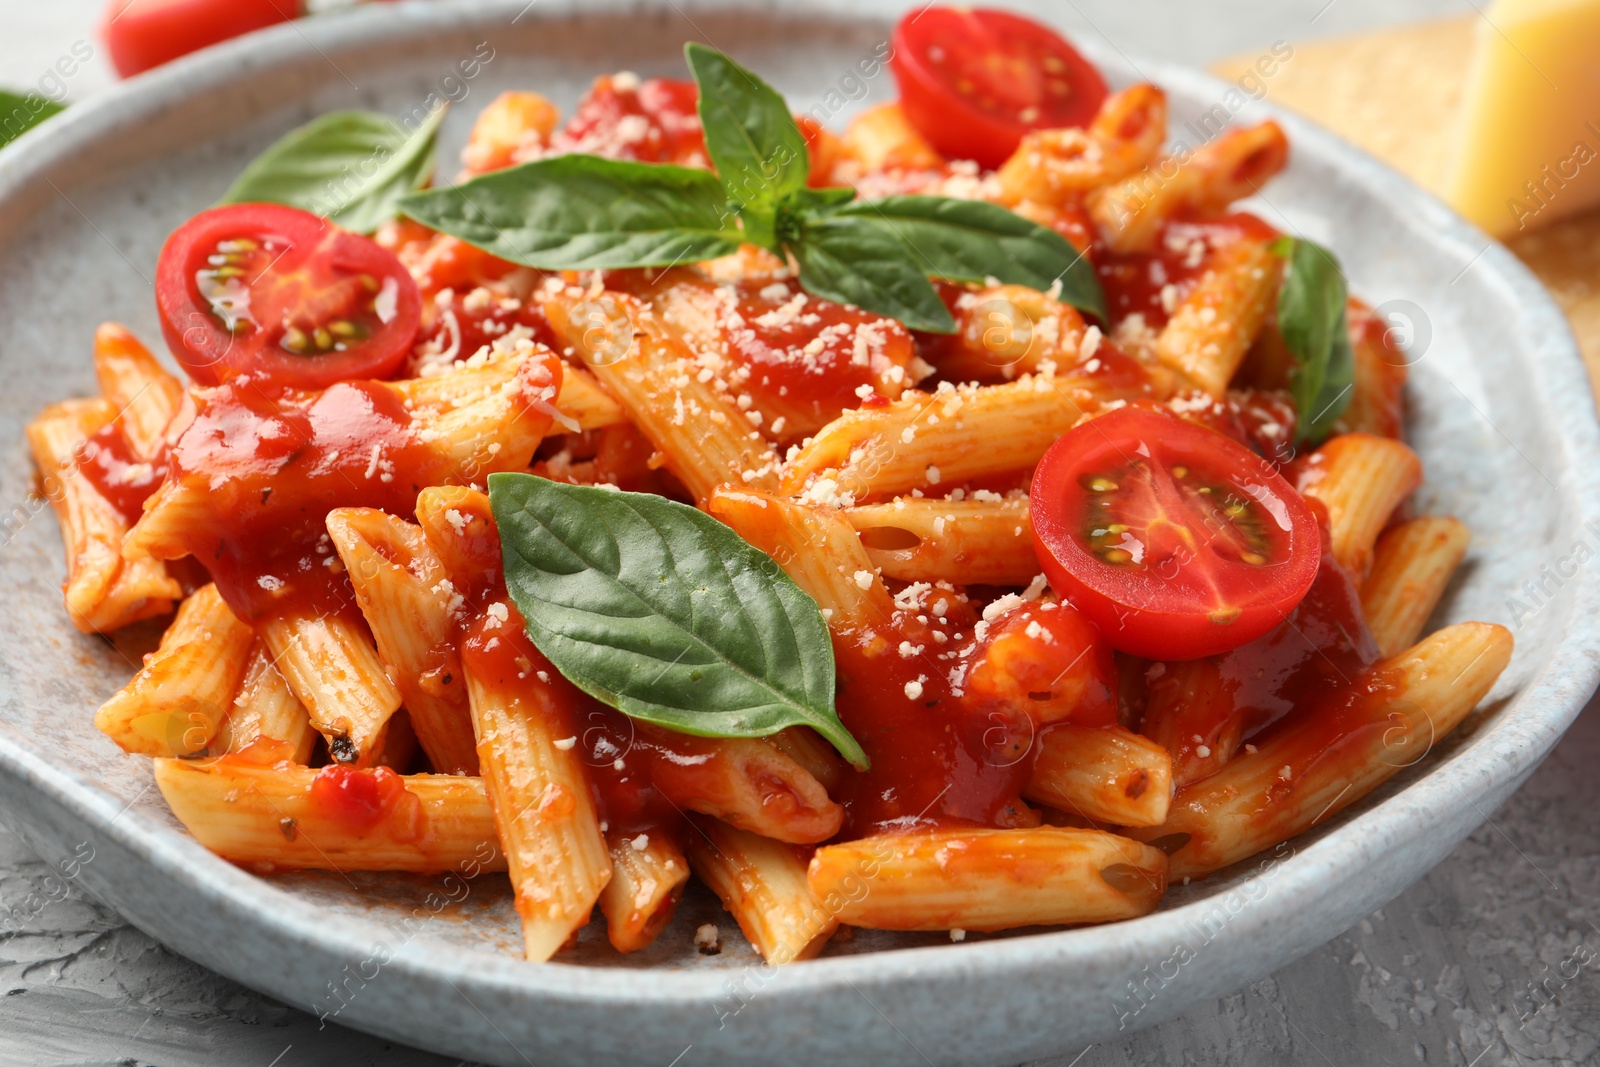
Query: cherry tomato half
{"points": [[974, 80], [1176, 541], [268, 289], [141, 34]]}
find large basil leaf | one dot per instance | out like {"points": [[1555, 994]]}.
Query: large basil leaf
{"points": [[349, 166], [579, 212], [759, 152], [19, 114], [1316, 331], [972, 241], [664, 613], [850, 263]]}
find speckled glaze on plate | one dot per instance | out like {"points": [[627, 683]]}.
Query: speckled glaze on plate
{"points": [[1501, 413]]}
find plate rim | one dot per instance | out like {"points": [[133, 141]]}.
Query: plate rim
{"points": [[1495, 760]]}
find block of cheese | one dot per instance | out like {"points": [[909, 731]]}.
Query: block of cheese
{"points": [[1528, 151]]}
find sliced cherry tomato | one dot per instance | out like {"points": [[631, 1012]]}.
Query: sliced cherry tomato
{"points": [[1176, 541], [141, 34], [974, 80], [268, 289]]}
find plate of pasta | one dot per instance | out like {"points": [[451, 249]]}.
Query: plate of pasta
{"points": [[746, 519]]}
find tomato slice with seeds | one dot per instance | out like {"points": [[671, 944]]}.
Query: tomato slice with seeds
{"points": [[974, 80], [1177, 541], [275, 291]]}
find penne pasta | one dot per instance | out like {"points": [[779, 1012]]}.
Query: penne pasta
{"points": [[944, 438], [1411, 567], [1004, 331], [543, 810], [1361, 479], [1193, 715], [801, 744], [330, 663], [1208, 335], [271, 817], [408, 600], [514, 125], [882, 138], [177, 701], [648, 873], [763, 884], [1052, 166], [102, 591], [983, 879], [144, 395], [1102, 773], [967, 542], [745, 783], [1298, 777], [265, 707], [585, 401], [818, 549], [658, 383]]}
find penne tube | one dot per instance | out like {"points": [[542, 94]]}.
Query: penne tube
{"points": [[763, 885], [102, 591], [1130, 213], [408, 600], [274, 817], [543, 808], [986, 879], [706, 437], [1005, 331], [1304, 771], [176, 702], [1411, 567], [330, 663], [515, 125], [1102, 773], [144, 395], [648, 873], [1361, 479], [743, 782], [1208, 335], [265, 707], [966, 542], [946, 438], [1053, 166], [816, 547], [882, 138], [1377, 396], [489, 413], [803, 745], [585, 401], [1192, 714]]}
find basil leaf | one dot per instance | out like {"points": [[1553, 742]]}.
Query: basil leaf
{"points": [[580, 212], [352, 167], [1316, 331], [759, 152], [972, 241], [850, 263], [830, 196], [664, 613], [19, 114]]}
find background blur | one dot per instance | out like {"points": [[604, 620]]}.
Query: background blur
{"points": [[1489, 960]]}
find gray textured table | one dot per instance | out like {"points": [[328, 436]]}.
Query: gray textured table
{"points": [[1486, 961]]}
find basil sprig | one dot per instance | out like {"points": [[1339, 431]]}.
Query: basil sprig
{"points": [[664, 613], [1315, 329], [352, 167], [561, 214]]}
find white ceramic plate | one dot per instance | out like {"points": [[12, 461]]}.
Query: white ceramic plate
{"points": [[1502, 416]]}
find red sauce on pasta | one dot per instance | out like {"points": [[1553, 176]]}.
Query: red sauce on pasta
{"points": [[108, 462], [1134, 281], [270, 465], [361, 798], [653, 121]]}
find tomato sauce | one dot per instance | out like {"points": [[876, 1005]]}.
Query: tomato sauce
{"points": [[120, 477], [652, 121], [269, 464], [362, 798], [808, 353], [1134, 281]]}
